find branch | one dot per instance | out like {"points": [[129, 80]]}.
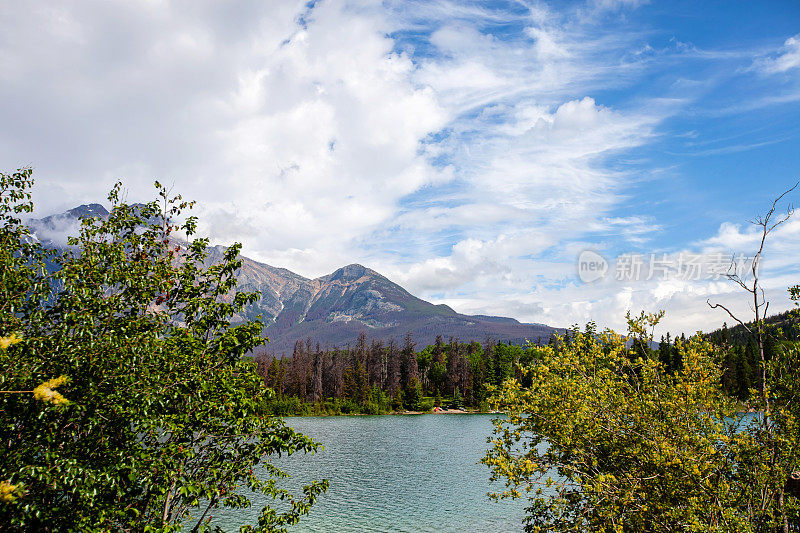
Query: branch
{"points": [[715, 306], [766, 228], [197, 525], [167, 503], [764, 221], [789, 209], [738, 280]]}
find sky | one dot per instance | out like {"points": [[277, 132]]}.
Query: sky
{"points": [[553, 162]]}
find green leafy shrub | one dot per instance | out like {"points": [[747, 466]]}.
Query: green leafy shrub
{"points": [[604, 439], [287, 406], [347, 406], [164, 420], [425, 405]]}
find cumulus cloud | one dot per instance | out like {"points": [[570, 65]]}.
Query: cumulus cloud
{"points": [[779, 264], [544, 170], [56, 230], [295, 128], [678, 289], [788, 58], [314, 135], [467, 150]]}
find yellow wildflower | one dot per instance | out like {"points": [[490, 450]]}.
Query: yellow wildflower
{"points": [[46, 393], [5, 342], [9, 492]]}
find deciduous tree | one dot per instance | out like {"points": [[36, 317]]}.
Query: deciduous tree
{"points": [[163, 419]]}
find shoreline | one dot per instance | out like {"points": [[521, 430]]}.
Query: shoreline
{"points": [[399, 413]]}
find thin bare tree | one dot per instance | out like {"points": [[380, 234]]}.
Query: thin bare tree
{"points": [[760, 306]]}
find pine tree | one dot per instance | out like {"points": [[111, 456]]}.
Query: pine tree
{"points": [[412, 396], [356, 382], [664, 355], [458, 400]]}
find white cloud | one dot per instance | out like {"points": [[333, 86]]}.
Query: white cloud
{"points": [[302, 131], [788, 58], [473, 171], [291, 136], [781, 247], [496, 278], [540, 178], [612, 5], [57, 231]]}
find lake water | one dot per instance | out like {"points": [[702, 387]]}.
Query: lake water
{"points": [[396, 473]]}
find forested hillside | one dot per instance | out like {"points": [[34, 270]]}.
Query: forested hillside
{"points": [[740, 358], [376, 377]]}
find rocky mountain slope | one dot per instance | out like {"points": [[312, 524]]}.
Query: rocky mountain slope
{"points": [[335, 308]]}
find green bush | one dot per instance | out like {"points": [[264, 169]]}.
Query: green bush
{"points": [[425, 405], [287, 406], [347, 406], [370, 408], [638, 449], [159, 415], [397, 401]]}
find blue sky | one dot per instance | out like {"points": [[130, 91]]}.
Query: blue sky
{"points": [[468, 150]]}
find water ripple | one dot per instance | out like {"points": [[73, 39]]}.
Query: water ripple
{"points": [[396, 473]]}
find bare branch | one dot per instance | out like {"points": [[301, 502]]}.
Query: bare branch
{"points": [[720, 306], [764, 221], [737, 280], [789, 209], [789, 213]]}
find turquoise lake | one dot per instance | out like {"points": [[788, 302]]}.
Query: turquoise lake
{"points": [[396, 473]]}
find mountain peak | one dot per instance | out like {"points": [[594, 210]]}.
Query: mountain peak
{"points": [[89, 210], [82, 211], [352, 272], [55, 228], [332, 309]]}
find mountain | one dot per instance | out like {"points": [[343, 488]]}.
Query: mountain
{"points": [[87, 210], [334, 309]]}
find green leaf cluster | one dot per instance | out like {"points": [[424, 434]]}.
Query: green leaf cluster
{"points": [[163, 420], [604, 439]]}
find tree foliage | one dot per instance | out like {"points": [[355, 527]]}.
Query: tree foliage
{"points": [[339, 380], [163, 418], [606, 439], [611, 435]]}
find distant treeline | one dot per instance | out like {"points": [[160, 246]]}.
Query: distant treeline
{"points": [[740, 357], [376, 377]]}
